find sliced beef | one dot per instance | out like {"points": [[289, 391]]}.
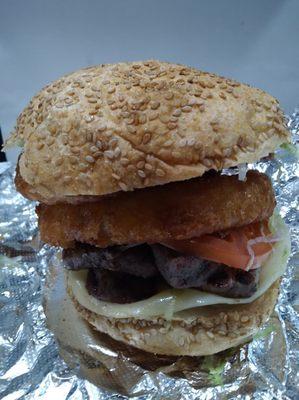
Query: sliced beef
{"points": [[134, 260], [117, 287], [124, 274], [231, 282], [181, 271]]}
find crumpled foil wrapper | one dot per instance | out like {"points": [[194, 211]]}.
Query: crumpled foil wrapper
{"points": [[31, 365]]}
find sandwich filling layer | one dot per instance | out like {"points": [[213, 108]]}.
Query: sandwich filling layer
{"points": [[168, 302]]}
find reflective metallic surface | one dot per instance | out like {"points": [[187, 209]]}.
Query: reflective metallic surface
{"points": [[31, 367]]}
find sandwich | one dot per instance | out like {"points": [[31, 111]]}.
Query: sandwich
{"points": [[144, 174]]}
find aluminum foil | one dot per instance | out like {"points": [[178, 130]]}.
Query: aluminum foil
{"points": [[31, 365]]}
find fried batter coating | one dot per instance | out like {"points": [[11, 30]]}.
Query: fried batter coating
{"points": [[174, 211]]}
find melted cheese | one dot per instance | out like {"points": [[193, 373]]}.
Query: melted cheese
{"points": [[171, 301]]}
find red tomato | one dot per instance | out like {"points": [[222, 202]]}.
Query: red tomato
{"points": [[244, 248]]}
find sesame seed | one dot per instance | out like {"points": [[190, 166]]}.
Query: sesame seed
{"points": [[88, 118], [202, 108], [101, 128], [244, 318], [148, 166], [160, 172], [190, 142], [142, 118], [94, 137], [197, 93], [95, 89], [141, 173], [146, 138], [50, 141], [154, 105], [73, 160], [140, 164], [115, 176], [39, 146], [67, 179], [89, 137], [82, 167], [99, 144], [210, 84], [130, 168], [124, 161], [109, 154], [171, 125], [169, 96], [182, 142], [58, 161], [93, 112], [117, 152], [68, 100], [192, 102], [207, 163], [57, 174], [168, 143], [90, 159], [152, 116], [123, 186], [52, 128], [210, 334], [111, 90], [177, 112], [276, 119], [236, 316]]}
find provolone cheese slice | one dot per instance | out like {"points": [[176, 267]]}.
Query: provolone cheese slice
{"points": [[171, 301]]}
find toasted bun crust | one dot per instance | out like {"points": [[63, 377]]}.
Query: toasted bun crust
{"points": [[208, 330], [132, 125]]}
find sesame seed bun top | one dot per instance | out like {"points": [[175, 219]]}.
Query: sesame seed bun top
{"points": [[132, 125]]}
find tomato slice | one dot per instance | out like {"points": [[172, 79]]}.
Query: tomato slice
{"points": [[244, 248]]}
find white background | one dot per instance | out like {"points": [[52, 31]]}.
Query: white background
{"points": [[256, 42]]}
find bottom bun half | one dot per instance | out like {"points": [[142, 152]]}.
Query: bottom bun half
{"points": [[207, 330]]}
